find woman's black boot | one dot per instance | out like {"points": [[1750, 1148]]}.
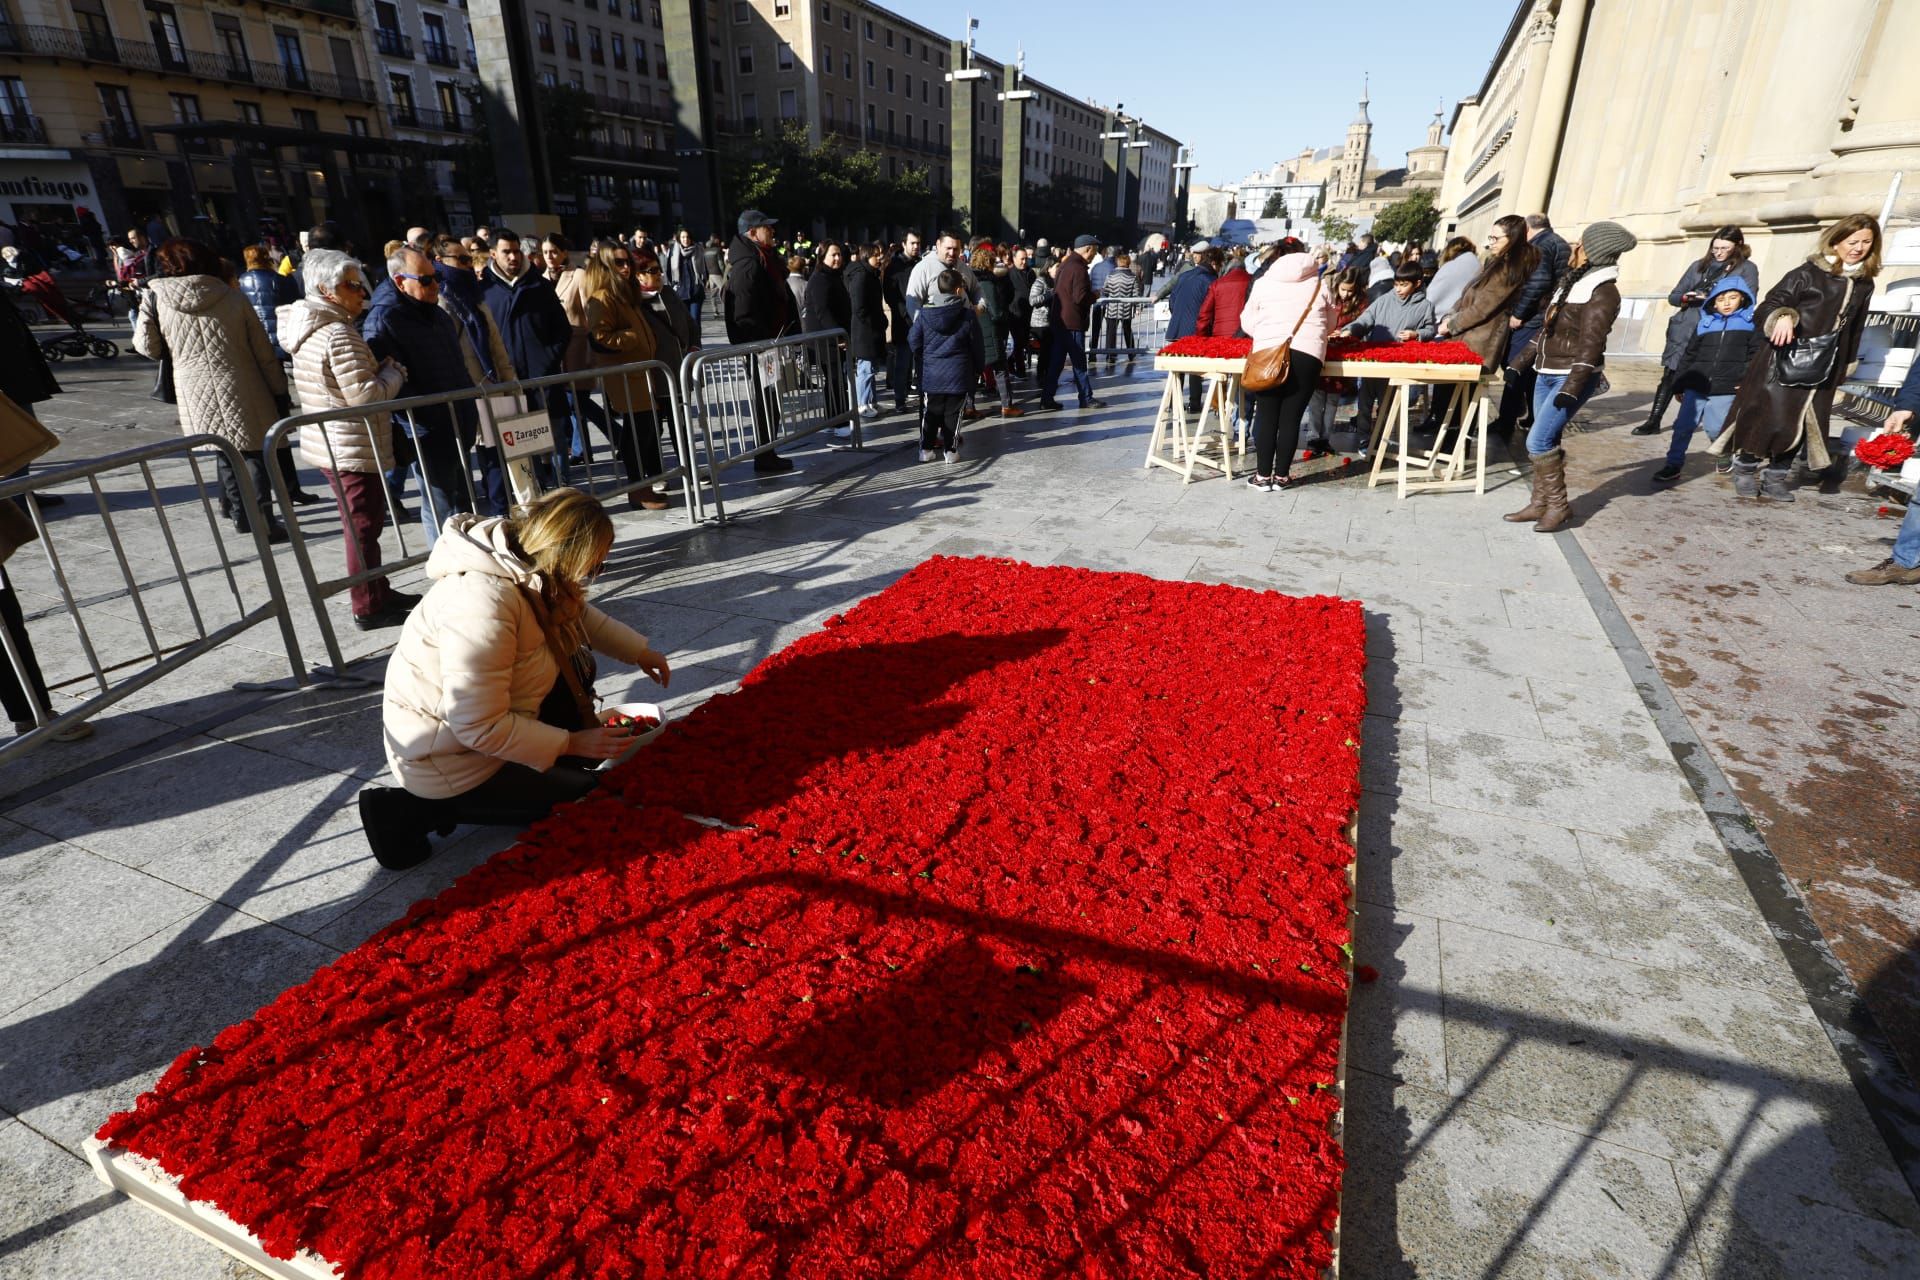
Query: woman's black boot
{"points": [[396, 827], [1662, 397]]}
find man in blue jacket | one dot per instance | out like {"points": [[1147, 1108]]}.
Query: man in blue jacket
{"points": [[1902, 568], [405, 321], [533, 324]]}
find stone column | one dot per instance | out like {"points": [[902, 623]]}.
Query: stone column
{"points": [[1789, 131], [1877, 133], [684, 31], [510, 106], [1538, 38], [963, 99], [1550, 110], [1013, 151]]}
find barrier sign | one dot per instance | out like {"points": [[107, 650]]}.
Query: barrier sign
{"points": [[525, 434]]}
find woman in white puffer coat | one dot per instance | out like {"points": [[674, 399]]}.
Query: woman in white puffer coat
{"points": [[226, 378], [482, 723], [333, 368]]}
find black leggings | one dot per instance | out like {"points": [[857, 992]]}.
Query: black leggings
{"points": [[513, 797], [1277, 414]]}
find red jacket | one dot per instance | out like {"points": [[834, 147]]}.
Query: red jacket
{"points": [[1220, 312]]}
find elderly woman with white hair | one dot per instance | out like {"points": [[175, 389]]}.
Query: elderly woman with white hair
{"points": [[333, 368]]}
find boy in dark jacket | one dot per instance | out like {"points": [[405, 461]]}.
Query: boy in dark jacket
{"points": [[1710, 368], [946, 343]]}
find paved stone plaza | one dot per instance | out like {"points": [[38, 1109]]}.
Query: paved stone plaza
{"points": [[1586, 1054]]}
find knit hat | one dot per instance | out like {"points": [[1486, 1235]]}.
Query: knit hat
{"points": [[1605, 242]]}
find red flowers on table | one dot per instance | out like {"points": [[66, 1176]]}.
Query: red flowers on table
{"points": [[1208, 348], [1884, 451], [1350, 349], [1028, 961]]}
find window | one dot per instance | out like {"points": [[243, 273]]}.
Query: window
{"points": [[869, 73], [596, 52], [448, 94], [923, 92], [869, 26], [746, 59], [846, 19], [789, 104], [909, 83], [574, 81], [165, 25], [785, 56], [827, 107], [226, 29], [400, 87], [600, 85], [889, 37], [889, 79], [117, 106], [742, 13], [889, 122], [435, 29], [925, 49], [570, 37], [250, 113], [186, 107], [287, 44], [306, 121], [783, 8], [619, 51], [749, 111], [826, 13], [549, 77], [543, 32], [846, 65]]}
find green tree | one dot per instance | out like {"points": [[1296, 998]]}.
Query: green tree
{"points": [[1408, 221], [789, 177], [1336, 229], [1276, 206]]}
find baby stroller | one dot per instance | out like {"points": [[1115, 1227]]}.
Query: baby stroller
{"points": [[41, 287]]}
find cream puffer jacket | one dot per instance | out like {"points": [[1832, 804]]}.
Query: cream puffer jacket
{"points": [[465, 683], [333, 368], [226, 378]]}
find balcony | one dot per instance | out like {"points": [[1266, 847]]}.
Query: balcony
{"points": [[440, 55], [123, 133], [624, 153], [18, 129], [573, 50], [545, 41], [613, 106], [392, 43], [421, 118], [53, 42]]}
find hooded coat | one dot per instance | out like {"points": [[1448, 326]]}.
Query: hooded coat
{"points": [[1715, 359], [1480, 314], [226, 378], [947, 342], [1285, 294], [1699, 278], [333, 368], [465, 683], [1768, 419]]}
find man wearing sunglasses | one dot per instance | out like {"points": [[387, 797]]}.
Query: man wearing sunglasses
{"points": [[405, 321]]}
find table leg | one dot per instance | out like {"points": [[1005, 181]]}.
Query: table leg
{"points": [[1405, 425], [1480, 450]]}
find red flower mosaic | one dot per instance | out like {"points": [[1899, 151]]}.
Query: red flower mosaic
{"points": [[1340, 348], [1030, 959]]}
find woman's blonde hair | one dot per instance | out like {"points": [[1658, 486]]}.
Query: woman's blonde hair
{"points": [[565, 534], [1830, 241], [600, 277], [255, 257]]}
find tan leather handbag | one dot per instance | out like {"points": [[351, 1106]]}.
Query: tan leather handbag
{"points": [[1267, 368]]}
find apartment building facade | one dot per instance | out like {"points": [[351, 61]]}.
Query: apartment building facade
{"points": [[210, 117], [423, 67]]}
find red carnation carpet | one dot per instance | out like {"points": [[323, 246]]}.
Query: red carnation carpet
{"points": [[1022, 953]]}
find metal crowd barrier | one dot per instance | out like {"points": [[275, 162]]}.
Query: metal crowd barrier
{"points": [[1123, 328], [159, 660], [751, 398], [516, 418]]}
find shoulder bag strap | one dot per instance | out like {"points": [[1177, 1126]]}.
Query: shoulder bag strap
{"points": [[563, 659], [1311, 301]]}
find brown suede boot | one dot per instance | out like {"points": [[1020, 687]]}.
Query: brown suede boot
{"points": [[1552, 470], [1533, 510]]}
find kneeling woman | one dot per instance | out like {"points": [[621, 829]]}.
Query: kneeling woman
{"points": [[483, 723]]}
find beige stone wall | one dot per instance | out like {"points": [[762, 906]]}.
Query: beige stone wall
{"points": [[1776, 116]]}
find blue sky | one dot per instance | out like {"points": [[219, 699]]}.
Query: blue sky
{"points": [[1246, 82]]}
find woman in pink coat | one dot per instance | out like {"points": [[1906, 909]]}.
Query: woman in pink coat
{"points": [[1286, 300]]}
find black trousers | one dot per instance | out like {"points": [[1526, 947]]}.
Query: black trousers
{"points": [[1277, 414], [940, 420], [13, 695], [230, 487], [639, 458]]}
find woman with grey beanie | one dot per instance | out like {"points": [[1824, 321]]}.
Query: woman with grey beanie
{"points": [[1568, 355]]}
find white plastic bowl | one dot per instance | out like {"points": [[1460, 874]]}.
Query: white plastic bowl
{"points": [[639, 740]]}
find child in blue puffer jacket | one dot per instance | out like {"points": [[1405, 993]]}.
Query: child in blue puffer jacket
{"points": [[946, 343], [1710, 369]]}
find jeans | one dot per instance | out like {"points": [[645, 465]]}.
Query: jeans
{"points": [[1066, 344], [1277, 414], [862, 383], [1708, 412], [1319, 421], [693, 310], [1372, 392], [363, 515], [438, 470], [1549, 420], [1906, 543]]}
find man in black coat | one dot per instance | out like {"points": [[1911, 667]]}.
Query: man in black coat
{"points": [[1020, 310], [894, 292], [758, 307], [1529, 310], [867, 331], [533, 326]]}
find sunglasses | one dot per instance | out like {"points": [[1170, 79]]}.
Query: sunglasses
{"points": [[431, 277], [355, 285]]}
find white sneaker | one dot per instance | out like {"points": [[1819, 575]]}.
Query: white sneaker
{"points": [[953, 455], [841, 433], [869, 411], [929, 455]]}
